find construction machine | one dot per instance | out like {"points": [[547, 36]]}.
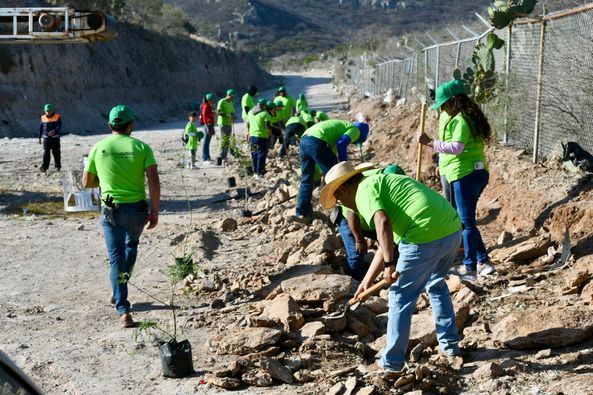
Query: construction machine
{"points": [[54, 25]]}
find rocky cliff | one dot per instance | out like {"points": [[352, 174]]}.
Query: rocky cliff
{"points": [[160, 77]]}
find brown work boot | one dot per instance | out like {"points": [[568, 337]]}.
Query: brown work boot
{"points": [[126, 320]]}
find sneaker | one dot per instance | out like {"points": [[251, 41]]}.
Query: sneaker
{"points": [[207, 162], [465, 274], [126, 320], [42, 169], [301, 219], [485, 269]]}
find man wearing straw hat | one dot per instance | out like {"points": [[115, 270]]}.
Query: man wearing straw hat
{"points": [[427, 231]]}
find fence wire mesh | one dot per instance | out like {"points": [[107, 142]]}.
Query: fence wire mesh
{"points": [[566, 96]]}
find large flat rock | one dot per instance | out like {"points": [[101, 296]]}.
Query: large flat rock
{"points": [[326, 289], [544, 328], [244, 341]]}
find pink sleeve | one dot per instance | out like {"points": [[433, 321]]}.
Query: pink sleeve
{"points": [[453, 148]]}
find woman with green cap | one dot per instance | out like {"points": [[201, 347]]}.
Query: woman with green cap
{"points": [[463, 132], [207, 119]]}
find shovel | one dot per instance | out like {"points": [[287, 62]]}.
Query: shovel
{"points": [[353, 303]]}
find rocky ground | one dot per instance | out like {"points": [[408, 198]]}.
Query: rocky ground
{"points": [[255, 307]]}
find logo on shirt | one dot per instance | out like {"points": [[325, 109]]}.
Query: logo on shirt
{"points": [[118, 155]]}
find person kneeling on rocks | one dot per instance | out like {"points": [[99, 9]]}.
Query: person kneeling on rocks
{"points": [[427, 231]]}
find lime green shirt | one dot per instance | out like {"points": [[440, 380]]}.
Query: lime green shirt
{"points": [[417, 213], [321, 116], [296, 119], [119, 161], [302, 105], [331, 131], [457, 129], [246, 101], [193, 136], [257, 124], [225, 110], [288, 106], [307, 117]]}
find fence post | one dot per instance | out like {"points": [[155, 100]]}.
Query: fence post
{"points": [[457, 54], [538, 95], [507, 69], [425, 73], [437, 66]]}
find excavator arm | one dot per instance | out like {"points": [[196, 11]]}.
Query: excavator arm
{"points": [[54, 25]]}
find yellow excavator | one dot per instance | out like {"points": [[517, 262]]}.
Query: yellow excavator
{"points": [[54, 25]]}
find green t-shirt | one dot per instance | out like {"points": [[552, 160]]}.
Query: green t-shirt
{"points": [[457, 129], [307, 118], [194, 136], [257, 123], [296, 119], [275, 118], [246, 101], [331, 131], [225, 110], [417, 213], [302, 105], [120, 162], [288, 106]]}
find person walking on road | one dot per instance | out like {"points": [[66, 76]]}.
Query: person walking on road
{"points": [[49, 131], [427, 231], [226, 117], [324, 144], [117, 164], [192, 137], [207, 119], [463, 131]]}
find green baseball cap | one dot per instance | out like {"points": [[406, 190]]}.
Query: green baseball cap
{"points": [[48, 107], [279, 103], [120, 115], [230, 92], [270, 104], [448, 90], [261, 101], [209, 96], [282, 89]]}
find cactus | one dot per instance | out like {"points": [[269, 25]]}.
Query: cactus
{"points": [[503, 13]]}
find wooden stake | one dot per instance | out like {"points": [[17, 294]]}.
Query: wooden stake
{"points": [[422, 128]]}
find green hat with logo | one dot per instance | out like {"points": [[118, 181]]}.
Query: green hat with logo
{"points": [[279, 103], [230, 92], [448, 90], [120, 115], [209, 96], [270, 104], [261, 101], [282, 89], [48, 107]]}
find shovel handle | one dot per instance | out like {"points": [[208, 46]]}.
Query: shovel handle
{"points": [[364, 295], [419, 153]]}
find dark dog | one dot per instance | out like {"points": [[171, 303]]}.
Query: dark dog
{"points": [[577, 155]]}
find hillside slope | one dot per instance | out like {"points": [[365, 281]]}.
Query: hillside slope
{"points": [[159, 76], [275, 27]]}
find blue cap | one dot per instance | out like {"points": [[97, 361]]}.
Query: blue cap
{"points": [[364, 131]]}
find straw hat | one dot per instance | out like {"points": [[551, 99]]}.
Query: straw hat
{"points": [[338, 175]]}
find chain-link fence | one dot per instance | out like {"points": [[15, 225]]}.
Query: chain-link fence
{"points": [[546, 81]]}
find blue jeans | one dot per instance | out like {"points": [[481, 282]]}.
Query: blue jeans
{"points": [[259, 151], [421, 266], [208, 133], [122, 246], [467, 191], [355, 260], [313, 151]]}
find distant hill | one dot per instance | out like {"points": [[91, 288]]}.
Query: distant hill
{"points": [[275, 27]]}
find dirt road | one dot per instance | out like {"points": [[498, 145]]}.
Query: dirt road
{"points": [[56, 322]]}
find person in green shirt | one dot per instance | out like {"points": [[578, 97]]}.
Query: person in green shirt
{"points": [[287, 100], [321, 116], [192, 137], [463, 132], [118, 164], [295, 127], [226, 118], [325, 144], [427, 231], [301, 104], [277, 111], [258, 134], [248, 102]]}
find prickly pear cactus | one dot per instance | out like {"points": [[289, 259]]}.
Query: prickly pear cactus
{"points": [[481, 79], [502, 13]]}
